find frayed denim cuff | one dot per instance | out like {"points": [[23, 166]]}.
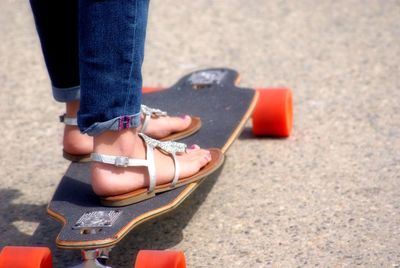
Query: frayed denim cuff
{"points": [[67, 94], [115, 124]]}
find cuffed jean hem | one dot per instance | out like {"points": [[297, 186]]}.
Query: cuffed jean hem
{"points": [[66, 94], [115, 124]]}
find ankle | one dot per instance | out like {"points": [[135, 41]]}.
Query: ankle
{"points": [[72, 108], [121, 143], [74, 142]]}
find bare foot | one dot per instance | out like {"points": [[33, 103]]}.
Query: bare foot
{"points": [[76, 143], [108, 180], [161, 127]]}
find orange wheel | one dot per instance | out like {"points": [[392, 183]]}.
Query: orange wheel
{"points": [[273, 115], [160, 259], [26, 257], [151, 89]]}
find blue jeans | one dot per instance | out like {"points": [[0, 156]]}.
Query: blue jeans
{"points": [[94, 53]]}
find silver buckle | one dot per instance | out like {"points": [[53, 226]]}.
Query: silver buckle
{"points": [[121, 161]]}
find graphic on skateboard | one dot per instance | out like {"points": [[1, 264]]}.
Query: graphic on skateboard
{"points": [[224, 109]]}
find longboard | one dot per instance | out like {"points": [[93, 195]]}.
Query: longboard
{"points": [[223, 108]]}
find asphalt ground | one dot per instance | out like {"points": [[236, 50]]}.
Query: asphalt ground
{"points": [[326, 197]]}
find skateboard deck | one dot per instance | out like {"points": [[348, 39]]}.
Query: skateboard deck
{"points": [[223, 107]]}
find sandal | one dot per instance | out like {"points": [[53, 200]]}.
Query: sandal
{"points": [[168, 147], [149, 113]]}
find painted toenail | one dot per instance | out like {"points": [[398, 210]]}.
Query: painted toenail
{"points": [[194, 146]]}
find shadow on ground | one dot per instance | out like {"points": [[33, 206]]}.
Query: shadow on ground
{"points": [[161, 233], [28, 225]]}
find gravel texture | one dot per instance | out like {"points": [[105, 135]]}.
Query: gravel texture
{"points": [[326, 197]]}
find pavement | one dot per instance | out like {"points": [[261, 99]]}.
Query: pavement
{"points": [[328, 196]]}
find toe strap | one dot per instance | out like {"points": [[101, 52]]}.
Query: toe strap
{"points": [[170, 147], [177, 171], [149, 113]]}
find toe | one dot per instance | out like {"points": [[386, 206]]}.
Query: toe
{"points": [[179, 123], [194, 147]]}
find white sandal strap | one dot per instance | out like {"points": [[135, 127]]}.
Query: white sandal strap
{"points": [[177, 171], [70, 121], [148, 114], [170, 147], [145, 123], [124, 161], [151, 167], [119, 161]]}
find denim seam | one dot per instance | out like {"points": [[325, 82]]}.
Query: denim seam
{"points": [[133, 54]]}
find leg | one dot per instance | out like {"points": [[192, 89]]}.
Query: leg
{"points": [[112, 35], [57, 26]]}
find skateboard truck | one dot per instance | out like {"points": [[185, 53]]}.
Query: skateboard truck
{"points": [[94, 258], [92, 222]]}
